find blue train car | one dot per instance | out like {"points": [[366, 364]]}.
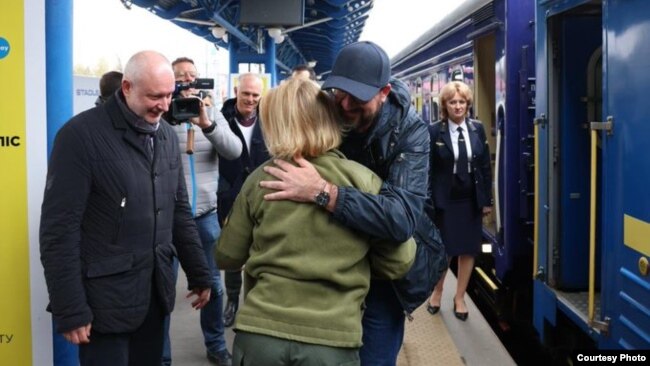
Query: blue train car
{"points": [[561, 86], [592, 206], [489, 44]]}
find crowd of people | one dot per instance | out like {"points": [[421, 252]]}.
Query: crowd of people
{"points": [[321, 202]]}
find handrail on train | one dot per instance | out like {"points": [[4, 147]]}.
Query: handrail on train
{"points": [[608, 128], [592, 227], [538, 123]]}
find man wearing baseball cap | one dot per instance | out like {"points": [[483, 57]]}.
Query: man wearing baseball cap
{"points": [[388, 137]]}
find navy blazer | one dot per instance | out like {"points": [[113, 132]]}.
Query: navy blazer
{"points": [[442, 163]]}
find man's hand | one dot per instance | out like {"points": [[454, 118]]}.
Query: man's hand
{"points": [[202, 121], [296, 183], [79, 335], [202, 297]]}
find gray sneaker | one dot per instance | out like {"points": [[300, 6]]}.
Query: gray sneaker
{"points": [[222, 358]]}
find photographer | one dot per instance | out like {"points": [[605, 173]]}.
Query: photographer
{"points": [[201, 167]]}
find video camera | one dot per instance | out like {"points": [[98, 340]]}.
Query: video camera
{"points": [[183, 109]]}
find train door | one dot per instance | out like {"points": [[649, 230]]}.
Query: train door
{"points": [[484, 101], [626, 172], [575, 38]]}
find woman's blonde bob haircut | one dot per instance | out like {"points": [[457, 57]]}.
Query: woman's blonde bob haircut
{"points": [[298, 119], [449, 90]]}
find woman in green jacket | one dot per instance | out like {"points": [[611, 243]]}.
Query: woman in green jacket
{"points": [[306, 274]]}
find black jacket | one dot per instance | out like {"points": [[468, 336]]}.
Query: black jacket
{"points": [[442, 163], [397, 149], [112, 221], [233, 173]]}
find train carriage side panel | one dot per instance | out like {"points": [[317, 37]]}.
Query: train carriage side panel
{"points": [[515, 127], [626, 201], [544, 300]]}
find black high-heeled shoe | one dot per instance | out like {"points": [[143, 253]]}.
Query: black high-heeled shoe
{"points": [[460, 316], [433, 310]]}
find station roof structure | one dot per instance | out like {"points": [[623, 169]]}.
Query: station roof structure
{"points": [[328, 26]]}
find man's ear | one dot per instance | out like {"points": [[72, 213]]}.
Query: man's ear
{"points": [[126, 87], [385, 91]]}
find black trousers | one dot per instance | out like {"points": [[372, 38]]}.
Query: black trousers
{"points": [[140, 348], [233, 280]]}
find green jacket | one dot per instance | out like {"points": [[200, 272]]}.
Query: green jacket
{"points": [[307, 275]]}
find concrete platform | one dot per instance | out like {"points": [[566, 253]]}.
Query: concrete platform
{"points": [[429, 340]]}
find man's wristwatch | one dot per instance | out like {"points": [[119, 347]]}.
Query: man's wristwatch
{"points": [[323, 197]]}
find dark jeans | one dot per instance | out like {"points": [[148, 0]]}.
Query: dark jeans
{"points": [[383, 326], [140, 348], [251, 349]]}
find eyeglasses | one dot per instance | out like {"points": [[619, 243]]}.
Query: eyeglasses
{"points": [[339, 95], [185, 74]]}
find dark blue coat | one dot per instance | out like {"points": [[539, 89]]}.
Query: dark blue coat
{"points": [[233, 173], [112, 221]]}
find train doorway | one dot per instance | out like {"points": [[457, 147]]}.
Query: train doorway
{"points": [[575, 100], [484, 102]]}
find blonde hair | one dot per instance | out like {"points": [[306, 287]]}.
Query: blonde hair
{"points": [[297, 118], [449, 90]]}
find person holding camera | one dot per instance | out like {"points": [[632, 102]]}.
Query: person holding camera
{"points": [[201, 167]]}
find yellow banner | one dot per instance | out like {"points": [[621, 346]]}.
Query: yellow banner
{"points": [[15, 309]]}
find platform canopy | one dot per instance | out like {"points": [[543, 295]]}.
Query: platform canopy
{"points": [[326, 26]]}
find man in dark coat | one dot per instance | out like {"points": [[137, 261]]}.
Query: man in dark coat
{"points": [[114, 214]]}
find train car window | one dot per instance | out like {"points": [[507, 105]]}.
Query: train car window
{"points": [[457, 75]]}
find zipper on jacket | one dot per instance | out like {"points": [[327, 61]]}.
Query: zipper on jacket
{"points": [[120, 219]]}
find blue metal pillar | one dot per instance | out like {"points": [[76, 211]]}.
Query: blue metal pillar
{"points": [[269, 59], [58, 63], [233, 47], [58, 59]]}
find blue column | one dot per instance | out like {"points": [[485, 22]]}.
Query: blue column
{"points": [[233, 47], [58, 63], [269, 62]]}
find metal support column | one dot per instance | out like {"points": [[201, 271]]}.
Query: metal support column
{"points": [[58, 64]]}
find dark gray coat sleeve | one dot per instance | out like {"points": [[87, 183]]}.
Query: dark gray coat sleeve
{"points": [[66, 191]]}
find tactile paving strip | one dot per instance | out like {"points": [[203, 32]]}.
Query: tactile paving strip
{"points": [[427, 342]]}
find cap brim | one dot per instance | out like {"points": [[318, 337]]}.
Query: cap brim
{"points": [[358, 90]]}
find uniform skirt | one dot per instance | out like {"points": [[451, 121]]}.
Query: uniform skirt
{"points": [[460, 223]]}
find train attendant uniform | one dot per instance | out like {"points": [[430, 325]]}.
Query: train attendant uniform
{"points": [[459, 193]]}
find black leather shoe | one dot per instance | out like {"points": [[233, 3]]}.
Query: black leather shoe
{"points": [[460, 316], [222, 358], [433, 310], [230, 313]]}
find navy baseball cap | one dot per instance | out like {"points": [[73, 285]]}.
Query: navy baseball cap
{"points": [[360, 69]]}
